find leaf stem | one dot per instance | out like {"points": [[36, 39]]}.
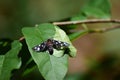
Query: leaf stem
{"points": [[21, 38]]}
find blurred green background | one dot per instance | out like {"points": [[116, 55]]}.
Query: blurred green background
{"points": [[98, 53], [16, 14]]}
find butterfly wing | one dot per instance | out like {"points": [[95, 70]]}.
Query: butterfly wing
{"points": [[60, 45], [49, 45], [40, 48]]}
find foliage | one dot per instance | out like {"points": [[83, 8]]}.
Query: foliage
{"points": [[10, 61]]}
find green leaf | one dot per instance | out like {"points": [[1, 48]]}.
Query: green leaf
{"points": [[10, 61], [77, 34], [98, 8], [94, 8], [51, 67], [61, 35]]}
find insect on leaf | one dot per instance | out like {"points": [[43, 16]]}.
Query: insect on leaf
{"points": [[52, 67]]}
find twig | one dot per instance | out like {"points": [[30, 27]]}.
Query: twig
{"points": [[87, 21], [21, 38], [103, 29]]}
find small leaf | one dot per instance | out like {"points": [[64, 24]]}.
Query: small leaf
{"points": [[77, 34], [10, 61], [50, 66]]}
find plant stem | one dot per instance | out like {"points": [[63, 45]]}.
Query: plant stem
{"points": [[87, 21], [103, 29]]}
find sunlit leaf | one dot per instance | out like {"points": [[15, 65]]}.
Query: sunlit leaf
{"points": [[51, 67], [61, 35]]}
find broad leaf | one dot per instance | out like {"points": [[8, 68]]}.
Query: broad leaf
{"points": [[10, 61], [94, 8], [51, 67]]}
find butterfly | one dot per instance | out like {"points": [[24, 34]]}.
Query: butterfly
{"points": [[50, 45]]}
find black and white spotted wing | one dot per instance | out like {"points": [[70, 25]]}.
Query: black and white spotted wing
{"points": [[60, 45], [40, 48], [49, 45]]}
